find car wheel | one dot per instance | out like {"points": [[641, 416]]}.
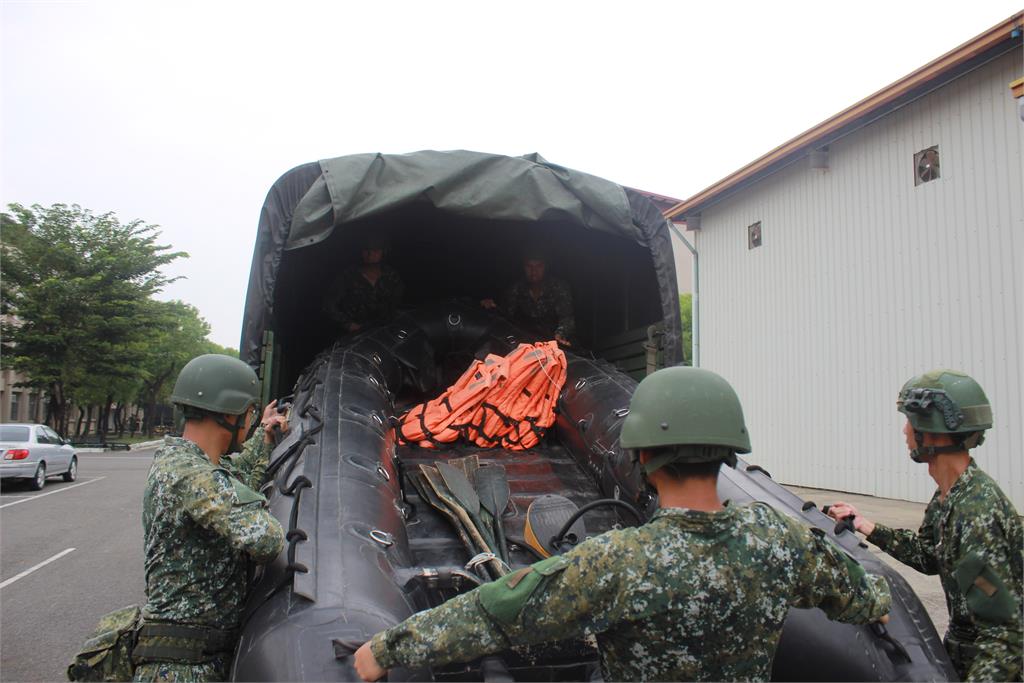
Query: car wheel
{"points": [[39, 479], [72, 472]]}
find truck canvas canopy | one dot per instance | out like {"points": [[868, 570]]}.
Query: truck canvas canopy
{"points": [[457, 224]]}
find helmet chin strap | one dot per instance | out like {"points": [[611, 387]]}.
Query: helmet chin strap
{"points": [[922, 452], [235, 446]]}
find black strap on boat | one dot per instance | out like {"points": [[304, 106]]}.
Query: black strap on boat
{"points": [[882, 633]]}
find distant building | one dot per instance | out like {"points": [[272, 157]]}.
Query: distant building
{"points": [[883, 242], [19, 404]]}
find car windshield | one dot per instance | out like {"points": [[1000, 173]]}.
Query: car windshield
{"points": [[13, 433]]}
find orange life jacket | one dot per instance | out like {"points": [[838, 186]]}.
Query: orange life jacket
{"points": [[500, 401]]}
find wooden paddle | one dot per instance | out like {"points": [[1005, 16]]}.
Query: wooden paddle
{"points": [[419, 481], [466, 496], [492, 488], [436, 482]]}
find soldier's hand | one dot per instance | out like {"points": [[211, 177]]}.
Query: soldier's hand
{"points": [[270, 419], [884, 619], [366, 664], [840, 510], [562, 340], [353, 327], [488, 304]]}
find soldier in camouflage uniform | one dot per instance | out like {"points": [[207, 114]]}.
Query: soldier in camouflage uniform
{"points": [[205, 524], [971, 534], [700, 592], [539, 303], [368, 293]]}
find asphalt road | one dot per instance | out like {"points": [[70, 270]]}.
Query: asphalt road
{"points": [[46, 614]]}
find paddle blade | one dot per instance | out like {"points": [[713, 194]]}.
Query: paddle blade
{"points": [[460, 487]]}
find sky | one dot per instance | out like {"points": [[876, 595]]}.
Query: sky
{"points": [[183, 114]]}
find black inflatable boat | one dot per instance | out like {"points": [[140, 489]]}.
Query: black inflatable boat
{"points": [[363, 550]]}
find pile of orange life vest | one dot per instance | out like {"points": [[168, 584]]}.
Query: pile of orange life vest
{"points": [[499, 401]]}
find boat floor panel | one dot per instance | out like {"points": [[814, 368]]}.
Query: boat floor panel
{"points": [[545, 469]]}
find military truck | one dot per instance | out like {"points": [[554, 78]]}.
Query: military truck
{"points": [[365, 546]]}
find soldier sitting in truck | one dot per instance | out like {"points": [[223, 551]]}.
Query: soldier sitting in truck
{"points": [[539, 303], [368, 293]]}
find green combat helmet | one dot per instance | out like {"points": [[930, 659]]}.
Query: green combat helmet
{"points": [[687, 407], [945, 402], [220, 385]]}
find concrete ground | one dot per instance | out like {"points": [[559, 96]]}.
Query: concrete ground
{"points": [[898, 514]]}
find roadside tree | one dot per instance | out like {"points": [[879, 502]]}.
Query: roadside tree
{"points": [[75, 288]]}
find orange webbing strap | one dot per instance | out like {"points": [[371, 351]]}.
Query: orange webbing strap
{"points": [[518, 410], [439, 420], [499, 401]]}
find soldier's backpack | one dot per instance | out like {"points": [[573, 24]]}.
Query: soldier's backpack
{"points": [[107, 654]]}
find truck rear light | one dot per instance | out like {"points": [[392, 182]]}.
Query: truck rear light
{"points": [[16, 454]]}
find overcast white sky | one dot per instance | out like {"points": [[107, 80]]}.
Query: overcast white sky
{"points": [[184, 113]]}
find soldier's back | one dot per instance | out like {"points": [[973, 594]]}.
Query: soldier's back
{"points": [[192, 574]]}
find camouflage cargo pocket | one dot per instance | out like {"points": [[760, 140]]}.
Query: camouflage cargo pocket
{"points": [[107, 654]]}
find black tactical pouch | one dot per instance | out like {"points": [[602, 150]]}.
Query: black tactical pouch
{"points": [[107, 654]]}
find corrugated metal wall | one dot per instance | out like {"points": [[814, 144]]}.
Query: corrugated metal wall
{"points": [[864, 280]]}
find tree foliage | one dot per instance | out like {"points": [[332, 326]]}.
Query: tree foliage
{"points": [[77, 289], [686, 313]]}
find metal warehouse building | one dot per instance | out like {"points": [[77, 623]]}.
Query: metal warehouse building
{"points": [[884, 242]]}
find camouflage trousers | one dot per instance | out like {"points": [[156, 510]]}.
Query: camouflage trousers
{"points": [[216, 670]]}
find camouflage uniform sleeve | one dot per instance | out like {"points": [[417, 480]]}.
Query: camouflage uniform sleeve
{"points": [[250, 466], [985, 577], [210, 501], [562, 597], [832, 580], [509, 301], [563, 307], [394, 294], [456, 631], [915, 550], [342, 304], [333, 303]]}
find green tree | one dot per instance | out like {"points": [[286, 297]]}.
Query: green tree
{"points": [[686, 313], [76, 287], [176, 335]]}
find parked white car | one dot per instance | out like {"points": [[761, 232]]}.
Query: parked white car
{"points": [[35, 452]]}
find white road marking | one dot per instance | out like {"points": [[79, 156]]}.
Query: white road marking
{"points": [[50, 493], [42, 564]]}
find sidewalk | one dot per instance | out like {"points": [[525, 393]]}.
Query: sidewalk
{"points": [[134, 447], [898, 514]]}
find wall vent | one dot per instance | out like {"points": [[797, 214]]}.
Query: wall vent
{"points": [[926, 165], [754, 235]]}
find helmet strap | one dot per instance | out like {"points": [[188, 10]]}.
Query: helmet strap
{"points": [[921, 452], [235, 446]]}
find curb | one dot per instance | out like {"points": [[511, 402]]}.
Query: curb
{"points": [[134, 447]]}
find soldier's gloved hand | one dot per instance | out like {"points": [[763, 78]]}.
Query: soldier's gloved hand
{"points": [[270, 419], [840, 510], [366, 664]]}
